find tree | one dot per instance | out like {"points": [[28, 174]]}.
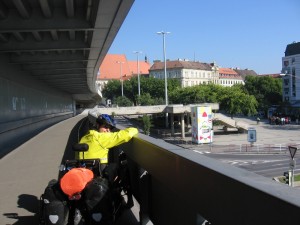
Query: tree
{"points": [[147, 124], [112, 89], [145, 99], [234, 100], [123, 101], [195, 94], [267, 90]]}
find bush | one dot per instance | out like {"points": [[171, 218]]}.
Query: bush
{"points": [[147, 124]]}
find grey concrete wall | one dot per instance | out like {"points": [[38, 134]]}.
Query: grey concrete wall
{"points": [[27, 105]]}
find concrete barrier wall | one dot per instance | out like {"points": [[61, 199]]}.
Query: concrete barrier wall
{"points": [[27, 105], [21, 130], [176, 186]]}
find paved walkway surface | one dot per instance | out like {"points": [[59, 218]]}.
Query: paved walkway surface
{"points": [[26, 171], [269, 138]]}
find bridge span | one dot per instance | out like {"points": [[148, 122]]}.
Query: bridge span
{"points": [[50, 53]]}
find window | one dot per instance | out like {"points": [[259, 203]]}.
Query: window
{"points": [[293, 60], [286, 82]]}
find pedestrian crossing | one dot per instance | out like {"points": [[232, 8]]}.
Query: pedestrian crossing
{"points": [[246, 162], [201, 152], [238, 162]]}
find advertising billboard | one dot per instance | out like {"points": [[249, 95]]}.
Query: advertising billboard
{"points": [[202, 129]]}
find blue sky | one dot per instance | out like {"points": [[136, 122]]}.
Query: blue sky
{"points": [[249, 34]]}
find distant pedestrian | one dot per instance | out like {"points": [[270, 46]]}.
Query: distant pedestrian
{"points": [[282, 120], [257, 120]]}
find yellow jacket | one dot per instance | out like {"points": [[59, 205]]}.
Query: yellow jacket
{"points": [[100, 143]]}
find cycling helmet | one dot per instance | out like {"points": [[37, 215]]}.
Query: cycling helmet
{"points": [[105, 119]]}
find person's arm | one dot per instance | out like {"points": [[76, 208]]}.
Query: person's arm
{"points": [[109, 140]]}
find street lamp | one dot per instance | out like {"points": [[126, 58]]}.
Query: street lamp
{"points": [[121, 77], [163, 33], [138, 70]]}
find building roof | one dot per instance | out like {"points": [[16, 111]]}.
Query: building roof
{"points": [[245, 72], [110, 69], [227, 71], [178, 64], [143, 67], [292, 49]]}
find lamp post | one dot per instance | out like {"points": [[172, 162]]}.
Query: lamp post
{"points": [[138, 70], [163, 33], [121, 77]]}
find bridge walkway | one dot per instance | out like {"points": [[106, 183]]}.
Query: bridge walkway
{"points": [[26, 171]]}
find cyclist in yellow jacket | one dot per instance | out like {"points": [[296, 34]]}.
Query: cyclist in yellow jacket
{"points": [[102, 139], [74, 182]]}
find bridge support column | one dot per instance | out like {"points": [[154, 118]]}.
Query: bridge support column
{"points": [[172, 124], [182, 126]]}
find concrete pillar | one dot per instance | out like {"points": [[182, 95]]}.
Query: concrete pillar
{"points": [[182, 126], [172, 124]]}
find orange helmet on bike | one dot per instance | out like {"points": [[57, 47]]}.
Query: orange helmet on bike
{"points": [[75, 180]]}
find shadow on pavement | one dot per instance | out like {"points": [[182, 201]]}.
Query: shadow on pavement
{"points": [[30, 203]]}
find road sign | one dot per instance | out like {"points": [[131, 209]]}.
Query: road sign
{"points": [[251, 134], [293, 151]]}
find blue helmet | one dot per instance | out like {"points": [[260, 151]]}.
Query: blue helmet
{"points": [[105, 119]]}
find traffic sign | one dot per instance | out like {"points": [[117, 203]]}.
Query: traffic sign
{"points": [[293, 151]]}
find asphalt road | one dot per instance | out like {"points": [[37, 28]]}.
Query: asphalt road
{"points": [[227, 148], [267, 165]]}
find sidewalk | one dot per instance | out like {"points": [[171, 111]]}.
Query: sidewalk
{"points": [[270, 138], [26, 171]]}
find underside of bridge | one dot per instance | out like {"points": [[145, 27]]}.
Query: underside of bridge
{"points": [[61, 42], [50, 53]]}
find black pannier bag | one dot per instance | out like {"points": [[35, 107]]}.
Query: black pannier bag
{"points": [[98, 201], [53, 204]]}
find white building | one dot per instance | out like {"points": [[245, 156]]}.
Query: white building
{"points": [[195, 73], [291, 81], [229, 77], [189, 73]]}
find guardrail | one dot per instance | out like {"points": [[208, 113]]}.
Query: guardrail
{"points": [[182, 187], [176, 186]]}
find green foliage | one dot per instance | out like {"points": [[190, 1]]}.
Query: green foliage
{"points": [[147, 124], [113, 114], [234, 101], [152, 90], [145, 99], [123, 101], [112, 89], [267, 90], [257, 93], [231, 99]]}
